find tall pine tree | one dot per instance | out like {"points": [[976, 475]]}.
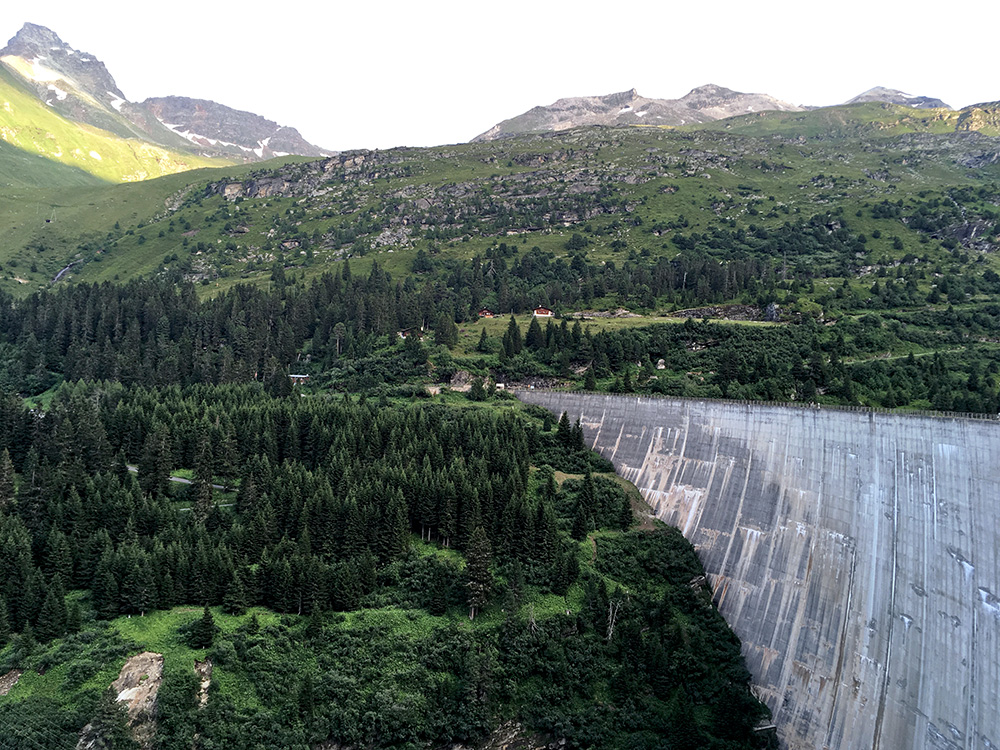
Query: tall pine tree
{"points": [[478, 578]]}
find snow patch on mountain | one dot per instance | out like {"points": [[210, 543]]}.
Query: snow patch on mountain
{"points": [[32, 69], [203, 140]]}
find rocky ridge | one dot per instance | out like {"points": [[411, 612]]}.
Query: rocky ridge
{"points": [[237, 133], [703, 104]]}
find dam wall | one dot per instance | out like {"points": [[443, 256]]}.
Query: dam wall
{"points": [[856, 555]]}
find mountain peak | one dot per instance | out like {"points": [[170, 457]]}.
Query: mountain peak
{"points": [[710, 90], [33, 35], [39, 55], [79, 87], [895, 96]]}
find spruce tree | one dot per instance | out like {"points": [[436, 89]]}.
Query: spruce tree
{"points": [[74, 617], [395, 532], [581, 522], [202, 632], [105, 594], [478, 578], [535, 339], [7, 479], [235, 601], [576, 439], [52, 618], [4, 624], [109, 729], [476, 390], [512, 341], [564, 434]]}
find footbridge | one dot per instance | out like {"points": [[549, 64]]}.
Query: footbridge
{"points": [[856, 554]]}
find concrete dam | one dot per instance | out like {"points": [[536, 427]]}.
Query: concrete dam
{"points": [[856, 555]]}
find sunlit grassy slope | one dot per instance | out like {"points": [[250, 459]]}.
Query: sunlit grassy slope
{"points": [[28, 124]]}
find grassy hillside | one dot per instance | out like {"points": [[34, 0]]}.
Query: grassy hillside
{"points": [[56, 222], [20, 169], [866, 118], [624, 191]]}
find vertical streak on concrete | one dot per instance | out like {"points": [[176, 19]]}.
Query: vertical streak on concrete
{"points": [[892, 613], [857, 556]]}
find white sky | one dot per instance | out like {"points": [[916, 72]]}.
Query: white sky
{"points": [[441, 71]]}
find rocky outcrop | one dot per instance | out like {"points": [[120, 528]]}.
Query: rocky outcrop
{"points": [[9, 680], [204, 671], [137, 687], [983, 118]]}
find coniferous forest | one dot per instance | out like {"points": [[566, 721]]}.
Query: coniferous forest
{"points": [[361, 562], [379, 573]]}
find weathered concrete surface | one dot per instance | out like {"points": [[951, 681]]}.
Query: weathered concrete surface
{"points": [[855, 554]]}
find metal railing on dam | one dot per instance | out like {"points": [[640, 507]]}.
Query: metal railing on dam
{"points": [[856, 554]]}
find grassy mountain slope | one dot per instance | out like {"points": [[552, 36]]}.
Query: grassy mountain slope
{"points": [[624, 190], [28, 124], [49, 227], [20, 169]]}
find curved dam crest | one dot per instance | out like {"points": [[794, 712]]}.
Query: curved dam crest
{"points": [[855, 554]]}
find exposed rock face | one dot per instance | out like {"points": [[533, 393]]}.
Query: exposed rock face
{"points": [[137, 686], [895, 96], [37, 43], [76, 84], [9, 680], [240, 134], [703, 104], [984, 118], [204, 671]]}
